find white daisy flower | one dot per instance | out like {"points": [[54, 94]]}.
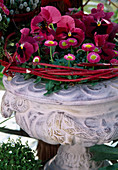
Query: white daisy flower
{"points": [[31, 1], [11, 1], [11, 11], [21, 6], [34, 5], [36, 1], [28, 9], [2, 38], [0, 17], [25, 4]]}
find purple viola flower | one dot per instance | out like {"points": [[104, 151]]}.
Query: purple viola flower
{"points": [[26, 46]]}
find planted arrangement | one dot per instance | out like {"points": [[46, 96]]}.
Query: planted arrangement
{"points": [[66, 50], [14, 155]]}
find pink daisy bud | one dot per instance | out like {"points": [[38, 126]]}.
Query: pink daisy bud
{"points": [[69, 57], [93, 57], [114, 61], [72, 41], [88, 47], [36, 59], [97, 50], [63, 44], [4, 8], [116, 53], [50, 43], [39, 38]]}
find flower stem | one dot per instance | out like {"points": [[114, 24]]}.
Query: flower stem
{"points": [[51, 55], [72, 50], [39, 51], [86, 56], [68, 63]]}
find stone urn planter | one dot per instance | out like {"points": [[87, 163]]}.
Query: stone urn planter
{"points": [[76, 118]]}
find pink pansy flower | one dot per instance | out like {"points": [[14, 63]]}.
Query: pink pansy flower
{"points": [[51, 14], [41, 23], [26, 46], [63, 44], [69, 57], [72, 41], [66, 29], [116, 53], [88, 47], [97, 50], [93, 57], [50, 43], [36, 59]]}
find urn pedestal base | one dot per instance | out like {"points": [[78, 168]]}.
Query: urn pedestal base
{"points": [[73, 157], [46, 151]]}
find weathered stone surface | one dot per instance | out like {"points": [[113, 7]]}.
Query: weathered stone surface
{"points": [[83, 113]]}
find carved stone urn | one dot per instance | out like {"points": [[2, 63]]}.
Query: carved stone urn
{"points": [[76, 118]]}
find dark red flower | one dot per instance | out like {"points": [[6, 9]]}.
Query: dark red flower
{"points": [[97, 23], [106, 47], [42, 23], [26, 46], [1, 1], [66, 29], [100, 40], [113, 32], [100, 8], [107, 51]]}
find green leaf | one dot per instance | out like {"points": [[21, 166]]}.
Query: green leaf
{"points": [[6, 119], [49, 85], [103, 152], [110, 167], [69, 77], [38, 79]]}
